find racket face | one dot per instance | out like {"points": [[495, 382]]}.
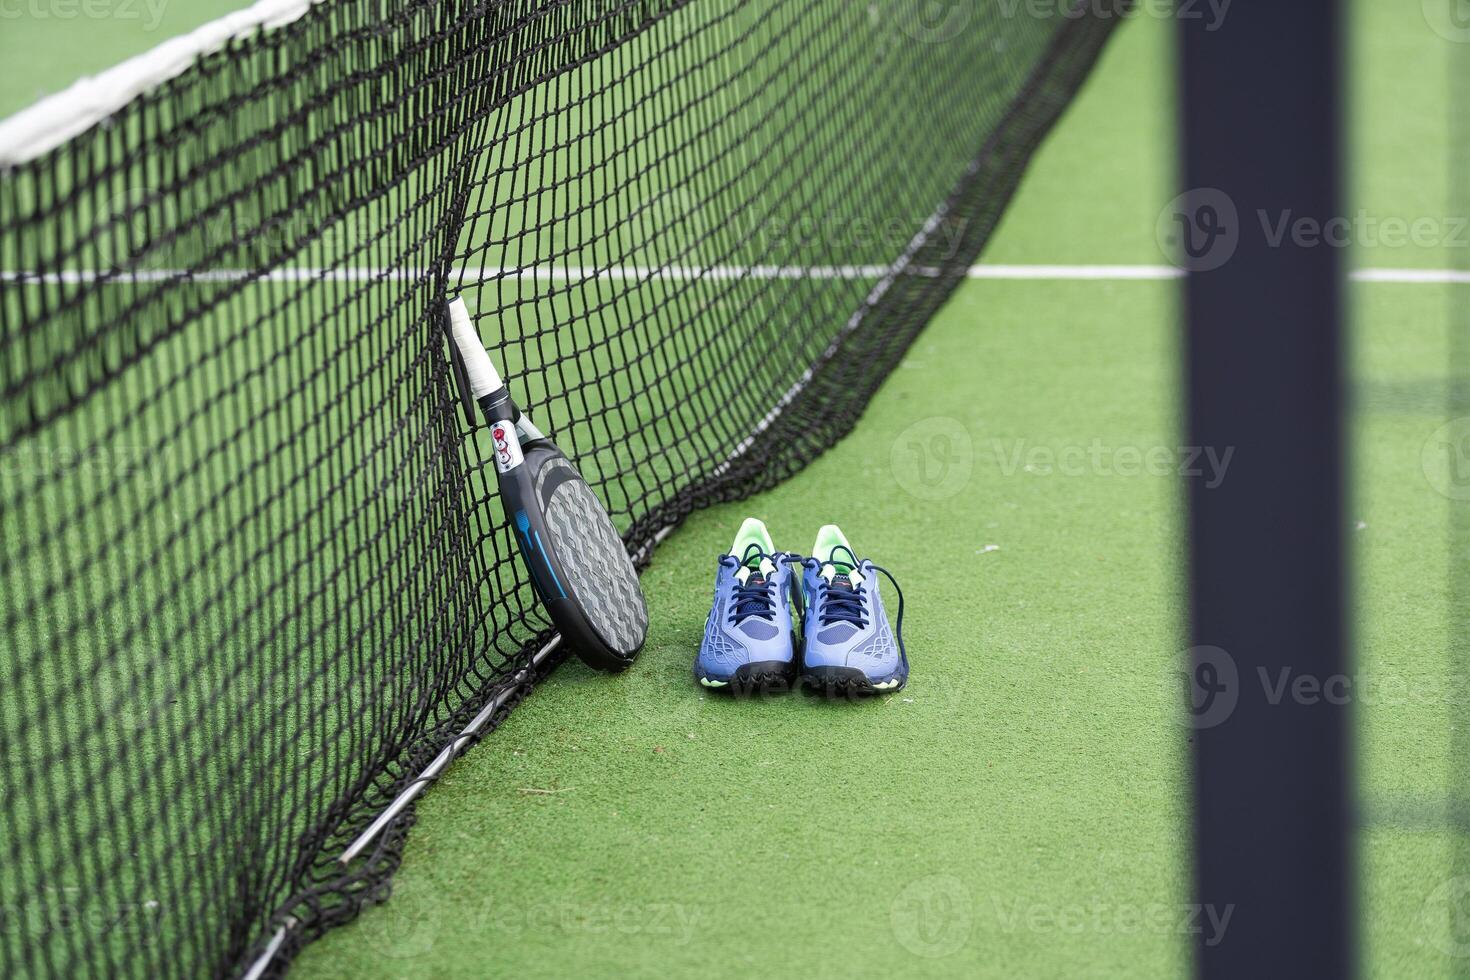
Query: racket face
{"points": [[592, 555], [588, 556]]}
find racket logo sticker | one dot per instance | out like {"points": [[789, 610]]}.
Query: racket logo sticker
{"points": [[507, 447]]}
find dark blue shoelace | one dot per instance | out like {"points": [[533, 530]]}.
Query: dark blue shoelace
{"points": [[850, 605], [756, 596], [844, 605]]}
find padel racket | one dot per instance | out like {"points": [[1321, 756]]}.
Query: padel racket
{"points": [[578, 564]]}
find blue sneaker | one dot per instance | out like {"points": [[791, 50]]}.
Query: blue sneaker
{"points": [[848, 646], [748, 643]]}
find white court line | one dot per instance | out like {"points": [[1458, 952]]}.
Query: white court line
{"points": [[1081, 272], [1410, 275], [635, 273]]}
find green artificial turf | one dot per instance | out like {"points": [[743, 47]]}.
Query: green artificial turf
{"points": [[45, 45], [1021, 808], [1408, 698], [1018, 806]]}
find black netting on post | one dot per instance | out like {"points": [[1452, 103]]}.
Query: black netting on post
{"points": [[253, 573]]}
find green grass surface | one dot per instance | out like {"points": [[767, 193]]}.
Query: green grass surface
{"points": [[47, 46], [1021, 808], [959, 819], [215, 649]]}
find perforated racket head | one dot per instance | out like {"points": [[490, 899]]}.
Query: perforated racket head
{"points": [[598, 604]]}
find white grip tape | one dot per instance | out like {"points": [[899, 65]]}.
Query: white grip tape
{"points": [[481, 372]]}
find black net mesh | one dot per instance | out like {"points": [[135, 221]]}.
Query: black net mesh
{"points": [[253, 572]]}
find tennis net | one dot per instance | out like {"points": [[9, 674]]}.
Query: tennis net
{"points": [[255, 582]]}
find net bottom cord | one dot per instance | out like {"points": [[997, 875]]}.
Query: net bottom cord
{"points": [[258, 968], [221, 377], [411, 791], [435, 769]]}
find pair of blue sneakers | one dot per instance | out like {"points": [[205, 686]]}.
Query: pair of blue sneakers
{"points": [[840, 642]]}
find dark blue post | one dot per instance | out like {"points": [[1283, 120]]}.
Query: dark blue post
{"points": [[1260, 117]]}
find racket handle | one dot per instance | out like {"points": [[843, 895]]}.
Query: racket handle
{"points": [[484, 379], [510, 425]]}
